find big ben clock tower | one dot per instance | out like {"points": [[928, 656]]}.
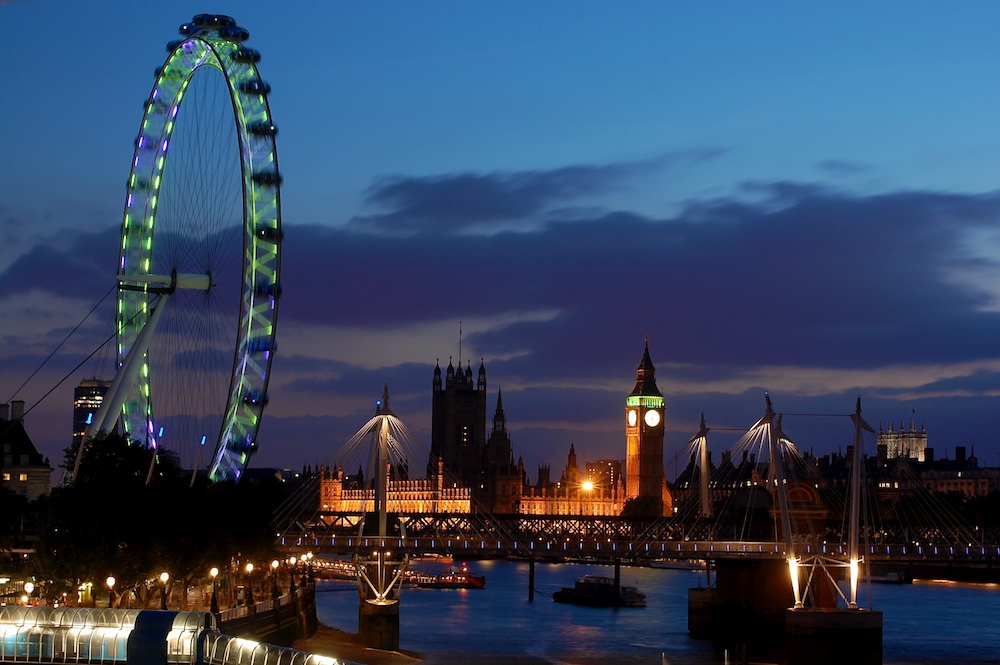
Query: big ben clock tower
{"points": [[644, 427]]}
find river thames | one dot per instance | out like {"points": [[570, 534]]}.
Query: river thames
{"points": [[925, 623]]}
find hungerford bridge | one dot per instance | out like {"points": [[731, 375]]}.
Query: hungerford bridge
{"points": [[554, 537], [811, 575]]}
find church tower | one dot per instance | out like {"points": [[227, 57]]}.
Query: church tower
{"points": [[644, 427]]}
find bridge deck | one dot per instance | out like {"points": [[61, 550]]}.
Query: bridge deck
{"points": [[609, 549]]}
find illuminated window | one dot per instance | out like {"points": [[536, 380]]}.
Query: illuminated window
{"points": [[6, 476], [22, 477]]}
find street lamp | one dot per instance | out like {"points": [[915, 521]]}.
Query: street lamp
{"points": [[291, 587], [111, 590], [249, 584], [28, 588], [164, 577], [274, 579], [306, 565], [215, 603]]}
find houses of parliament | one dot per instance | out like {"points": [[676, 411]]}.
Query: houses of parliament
{"points": [[472, 470]]}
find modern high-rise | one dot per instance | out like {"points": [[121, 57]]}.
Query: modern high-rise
{"points": [[87, 399]]}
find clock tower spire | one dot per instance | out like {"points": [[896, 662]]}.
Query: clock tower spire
{"points": [[644, 427]]}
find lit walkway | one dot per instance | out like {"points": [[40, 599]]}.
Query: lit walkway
{"points": [[84, 635]]}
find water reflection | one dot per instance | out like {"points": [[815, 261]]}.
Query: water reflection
{"points": [[925, 623]]}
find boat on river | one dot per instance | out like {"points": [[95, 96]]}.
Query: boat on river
{"points": [[599, 591], [451, 579], [890, 577], [335, 569], [679, 564]]}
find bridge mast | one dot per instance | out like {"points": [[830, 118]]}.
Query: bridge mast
{"points": [[775, 443], [701, 440], [853, 544], [380, 570]]}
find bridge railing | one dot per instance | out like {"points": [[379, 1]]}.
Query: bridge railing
{"points": [[226, 650], [607, 548]]}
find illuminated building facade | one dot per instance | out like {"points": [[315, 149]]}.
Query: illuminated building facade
{"points": [[644, 427], [575, 493], [909, 443], [424, 495]]}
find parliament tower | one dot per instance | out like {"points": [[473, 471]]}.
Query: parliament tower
{"points": [[458, 424], [644, 427]]}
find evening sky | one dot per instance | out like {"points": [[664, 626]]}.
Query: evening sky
{"points": [[780, 196]]}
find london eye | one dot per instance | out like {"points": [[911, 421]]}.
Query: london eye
{"points": [[200, 254]]}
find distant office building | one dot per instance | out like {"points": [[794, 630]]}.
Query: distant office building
{"points": [[24, 471], [972, 482], [87, 399], [605, 475]]}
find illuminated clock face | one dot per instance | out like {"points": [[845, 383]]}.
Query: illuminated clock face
{"points": [[631, 417], [652, 418]]}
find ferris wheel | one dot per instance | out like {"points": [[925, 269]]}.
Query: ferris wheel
{"points": [[200, 254]]}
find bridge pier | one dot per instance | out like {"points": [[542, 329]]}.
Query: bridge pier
{"points": [[836, 636], [378, 625], [747, 605], [750, 611]]}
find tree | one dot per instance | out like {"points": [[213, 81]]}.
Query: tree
{"points": [[110, 522]]}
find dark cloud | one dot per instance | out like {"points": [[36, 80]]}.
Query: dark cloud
{"points": [[74, 264], [805, 276], [782, 274], [470, 201]]}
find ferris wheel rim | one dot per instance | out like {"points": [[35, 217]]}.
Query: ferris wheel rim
{"points": [[217, 42]]}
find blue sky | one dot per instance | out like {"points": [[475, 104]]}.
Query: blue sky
{"points": [[782, 197]]}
